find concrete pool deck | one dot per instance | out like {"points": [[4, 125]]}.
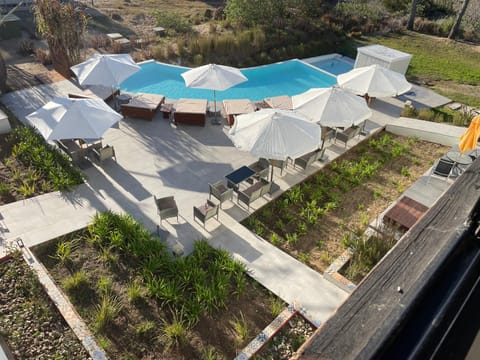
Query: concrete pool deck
{"points": [[154, 158]]}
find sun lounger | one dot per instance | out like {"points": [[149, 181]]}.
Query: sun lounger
{"points": [[95, 91], [190, 111], [237, 107], [282, 102], [142, 106]]}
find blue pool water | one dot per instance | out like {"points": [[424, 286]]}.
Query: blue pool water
{"points": [[286, 78], [334, 66]]}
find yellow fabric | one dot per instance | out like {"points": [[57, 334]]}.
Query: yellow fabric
{"points": [[468, 141]]}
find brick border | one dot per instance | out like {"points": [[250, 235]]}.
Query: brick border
{"points": [[332, 272], [272, 329], [65, 307]]}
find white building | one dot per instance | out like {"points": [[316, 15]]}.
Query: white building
{"points": [[384, 56]]}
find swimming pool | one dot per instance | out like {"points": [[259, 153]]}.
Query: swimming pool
{"points": [[285, 78], [334, 64]]}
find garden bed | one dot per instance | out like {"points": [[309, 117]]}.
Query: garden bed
{"points": [[29, 321], [30, 167], [287, 341], [314, 220], [142, 303]]}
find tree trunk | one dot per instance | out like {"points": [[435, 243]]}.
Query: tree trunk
{"points": [[413, 12], [3, 75], [458, 20]]}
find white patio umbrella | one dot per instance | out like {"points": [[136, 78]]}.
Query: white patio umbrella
{"points": [[64, 118], [108, 70], [275, 134], [333, 107], [374, 81], [213, 77]]}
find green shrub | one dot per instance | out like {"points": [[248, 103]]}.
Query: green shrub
{"points": [[105, 285], [426, 114], [106, 312], [78, 287], [367, 252], [134, 292], [409, 111], [145, 329], [240, 327], [174, 332], [172, 21], [30, 148]]}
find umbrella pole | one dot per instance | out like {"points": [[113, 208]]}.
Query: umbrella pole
{"points": [[271, 175], [215, 121]]}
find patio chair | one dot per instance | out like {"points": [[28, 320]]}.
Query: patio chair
{"points": [[281, 164], [205, 212], [261, 168], [348, 134], [166, 207], [254, 192], [104, 153], [442, 168], [220, 192], [308, 159]]}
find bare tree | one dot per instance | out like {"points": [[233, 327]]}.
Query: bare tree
{"points": [[63, 27], [458, 20], [413, 12]]}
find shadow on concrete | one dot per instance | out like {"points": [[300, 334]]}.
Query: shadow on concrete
{"points": [[387, 108], [193, 175], [124, 179], [225, 238]]}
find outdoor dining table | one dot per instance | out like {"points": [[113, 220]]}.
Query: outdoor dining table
{"points": [[236, 177], [459, 158]]}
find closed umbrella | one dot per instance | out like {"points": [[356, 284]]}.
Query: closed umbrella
{"points": [[468, 141], [64, 118], [213, 77], [275, 134], [374, 81]]}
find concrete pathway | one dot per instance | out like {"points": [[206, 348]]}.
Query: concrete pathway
{"points": [[154, 158]]}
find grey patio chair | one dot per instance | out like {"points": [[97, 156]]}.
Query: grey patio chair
{"points": [[104, 153], [281, 164], [261, 168], [220, 192], [205, 212], [306, 160], [443, 168], [166, 207]]}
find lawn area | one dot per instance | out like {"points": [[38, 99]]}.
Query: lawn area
{"points": [[142, 303], [451, 68], [314, 220]]}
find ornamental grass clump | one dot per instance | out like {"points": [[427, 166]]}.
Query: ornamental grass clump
{"points": [[196, 285], [30, 148]]}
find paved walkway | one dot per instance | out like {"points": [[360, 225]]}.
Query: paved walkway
{"points": [[155, 158]]}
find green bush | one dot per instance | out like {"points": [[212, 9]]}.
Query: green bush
{"points": [[106, 312], [367, 252], [30, 148], [172, 21], [78, 287]]}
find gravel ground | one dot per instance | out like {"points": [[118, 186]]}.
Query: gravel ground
{"points": [[30, 323]]}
